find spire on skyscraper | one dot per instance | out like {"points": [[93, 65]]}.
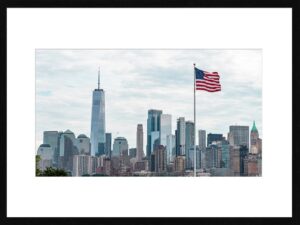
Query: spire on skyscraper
{"points": [[254, 129], [99, 78]]}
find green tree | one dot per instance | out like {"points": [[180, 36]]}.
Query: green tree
{"points": [[50, 171], [38, 172]]}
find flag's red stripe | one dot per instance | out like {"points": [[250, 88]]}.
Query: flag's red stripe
{"points": [[208, 86], [209, 90]]}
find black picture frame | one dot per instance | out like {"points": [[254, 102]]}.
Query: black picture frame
{"points": [[160, 4]]}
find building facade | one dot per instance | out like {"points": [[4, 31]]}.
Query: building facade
{"points": [[189, 140], [214, 138], [52, 138], [83, 145], [108, 144], [202, 139], [180, 138], [120, 147], [165, 128], [255, 142], [68, 148], [45, 151], [171, 148], [153, 124], [139, 142], [239, 135]]}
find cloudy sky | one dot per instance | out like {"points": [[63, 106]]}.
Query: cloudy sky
{"points": [[137, 80]]}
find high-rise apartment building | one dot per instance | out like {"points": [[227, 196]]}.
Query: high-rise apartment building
{"points": [[139, 142]]}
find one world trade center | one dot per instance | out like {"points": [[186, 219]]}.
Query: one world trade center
{"points": [[98, 121]]}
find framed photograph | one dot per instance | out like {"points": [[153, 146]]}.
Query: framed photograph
{"points": [[148, 113]]}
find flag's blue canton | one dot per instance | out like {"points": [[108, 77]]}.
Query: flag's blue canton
{"points": [[199, 74]]}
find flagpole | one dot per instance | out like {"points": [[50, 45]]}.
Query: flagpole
{"points": [[195, 121]]}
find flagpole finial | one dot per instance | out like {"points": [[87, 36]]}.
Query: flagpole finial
{"points": [[194, 64]]}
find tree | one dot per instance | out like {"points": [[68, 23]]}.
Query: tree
{"points": [[38, 172], [50, 171]]}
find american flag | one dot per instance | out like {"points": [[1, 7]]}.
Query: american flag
{"points": [[207, 81]]}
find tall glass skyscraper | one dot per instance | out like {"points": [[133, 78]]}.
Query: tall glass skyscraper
{"points": [[153, 124], [51, 138], [189, 141], [165, 128], [98, 121], [171, 144]]}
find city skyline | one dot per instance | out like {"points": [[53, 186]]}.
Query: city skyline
{"points": [[132, 86]]}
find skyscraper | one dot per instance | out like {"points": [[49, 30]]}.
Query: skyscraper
{"points": [[189, 140], [160, 159], [254, 139], [51, 138], [67, 150], [98, 121], [153, 124], [120, 147], [165, 128], [45, 151], [139, 142], [154, 140], [202, 139], [189, 134], [239, 135], [180, 138], [83, 144], [171, 144], [108, 144]]}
